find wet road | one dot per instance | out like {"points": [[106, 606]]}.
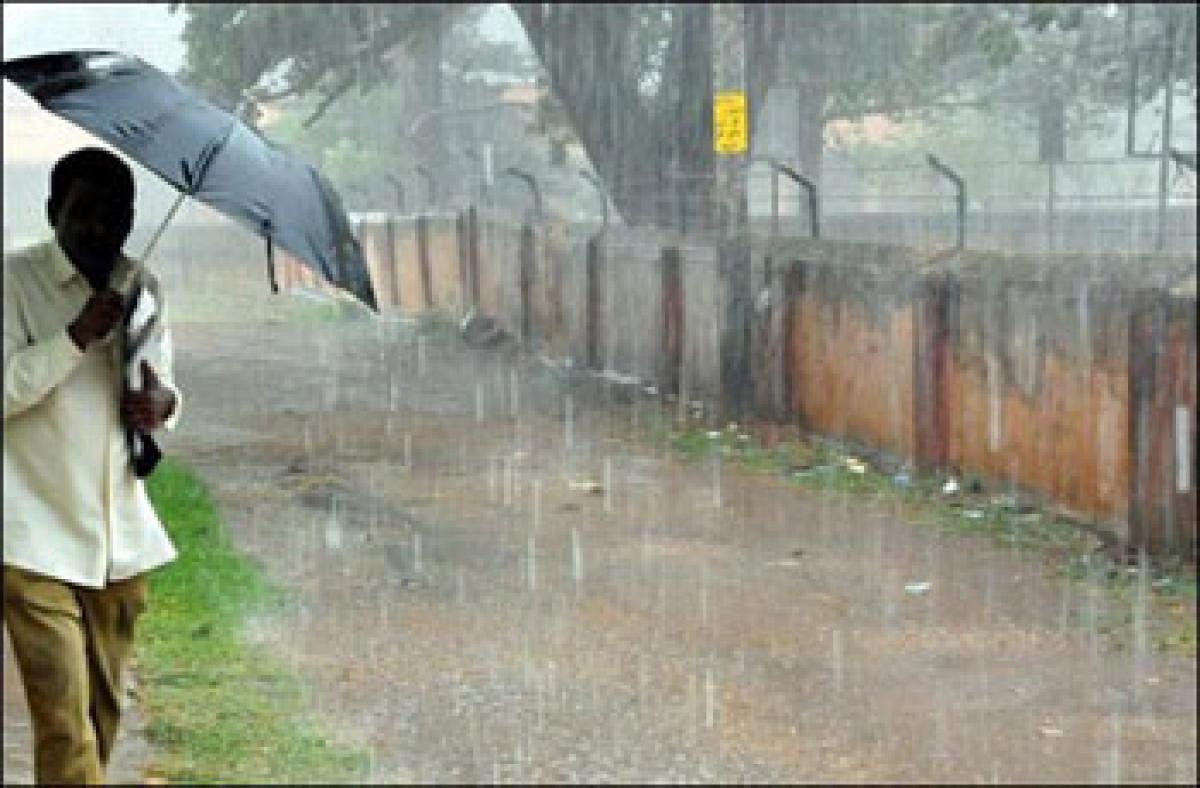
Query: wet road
{"points": [[467, 610]]}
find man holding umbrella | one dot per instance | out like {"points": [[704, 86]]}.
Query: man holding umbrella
{"points": [[80, 533]]}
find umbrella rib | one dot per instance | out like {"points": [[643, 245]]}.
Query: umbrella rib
{"points": [[208, 154]]}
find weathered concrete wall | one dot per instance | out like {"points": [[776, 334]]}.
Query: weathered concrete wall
{"points": [[1071, 376], [849, 318]]}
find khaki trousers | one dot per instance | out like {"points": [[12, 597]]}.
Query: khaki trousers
{"points": [[72, 645]]}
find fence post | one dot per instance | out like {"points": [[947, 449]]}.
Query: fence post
{"points": [[473, 253], [733, 260], [767, 341], [932, 315], [1162, 423], [526, 282], [671, 348], [793, 291], [595, 297], [423, 260], [393, 263], [464, 261]]}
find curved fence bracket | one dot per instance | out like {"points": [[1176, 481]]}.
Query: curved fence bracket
{"points": [[960, 197], [533, 187], [811, 189]]}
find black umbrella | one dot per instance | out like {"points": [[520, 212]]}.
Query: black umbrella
{"points": [[204, 152]]}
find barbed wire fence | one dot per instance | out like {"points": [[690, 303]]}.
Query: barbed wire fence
{"points": [[1100, 205]]}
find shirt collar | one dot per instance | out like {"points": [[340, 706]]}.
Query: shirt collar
{"points": [[64, 270], [62, 267]]}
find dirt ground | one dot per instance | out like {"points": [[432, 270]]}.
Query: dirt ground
{"points": [[467, 611], [463, 607]]}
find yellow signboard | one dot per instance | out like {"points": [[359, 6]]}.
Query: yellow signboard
{"points": [[731, 131]]}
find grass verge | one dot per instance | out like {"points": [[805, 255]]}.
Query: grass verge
{"points": [[217, 708]]}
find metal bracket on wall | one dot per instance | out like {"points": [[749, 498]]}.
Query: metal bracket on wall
{"points": [[960, 196]]}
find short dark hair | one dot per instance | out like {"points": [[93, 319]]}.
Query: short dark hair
{"points": [[94, 165]]}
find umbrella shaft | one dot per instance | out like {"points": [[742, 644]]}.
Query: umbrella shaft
{"points": [[162, 227]]}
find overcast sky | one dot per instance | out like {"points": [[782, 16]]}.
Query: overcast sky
{"points": [[147, 30]]}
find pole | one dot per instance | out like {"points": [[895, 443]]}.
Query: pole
{"points": [[729, 75], [774, 202], [1050, 206], [1164, 159], [162, 227]]}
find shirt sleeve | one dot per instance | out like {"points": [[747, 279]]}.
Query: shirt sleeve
{"points": [[161, 353], [31, 369]]}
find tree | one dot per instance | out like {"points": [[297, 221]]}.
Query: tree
{"points": [[634, 81], [267, 51], [355, 123]]}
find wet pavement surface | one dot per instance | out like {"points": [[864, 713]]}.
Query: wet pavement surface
{"points": [[464, 606]]}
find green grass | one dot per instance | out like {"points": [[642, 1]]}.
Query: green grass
{"points": [[824, 466], [218, 708]]}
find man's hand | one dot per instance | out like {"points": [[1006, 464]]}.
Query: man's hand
{"points": [[147, 410], [101, 313]]}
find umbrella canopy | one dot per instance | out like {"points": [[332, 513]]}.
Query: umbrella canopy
{"points": [[203, 151]]}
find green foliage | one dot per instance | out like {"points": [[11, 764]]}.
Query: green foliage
{"points": [[218, 709], [850, 60], [326, 45]]}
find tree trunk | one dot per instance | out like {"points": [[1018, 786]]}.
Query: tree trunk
{"points": [[693, 117]]}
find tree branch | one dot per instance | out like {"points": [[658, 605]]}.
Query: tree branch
{"points": [[346, 83]]}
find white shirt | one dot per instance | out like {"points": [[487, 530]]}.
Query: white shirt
{"points": [[73, 509]]}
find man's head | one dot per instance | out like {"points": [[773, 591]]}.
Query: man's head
{"points": [[91, 209]]}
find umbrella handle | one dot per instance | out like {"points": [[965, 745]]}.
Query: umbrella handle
{"points": [[163, 226], [271, 265]]}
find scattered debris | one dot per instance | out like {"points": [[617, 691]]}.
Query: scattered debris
{"points": [[481, 331], [916, 589], [763, 302], [586, 485], [799, 471], [1013, 503]]}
